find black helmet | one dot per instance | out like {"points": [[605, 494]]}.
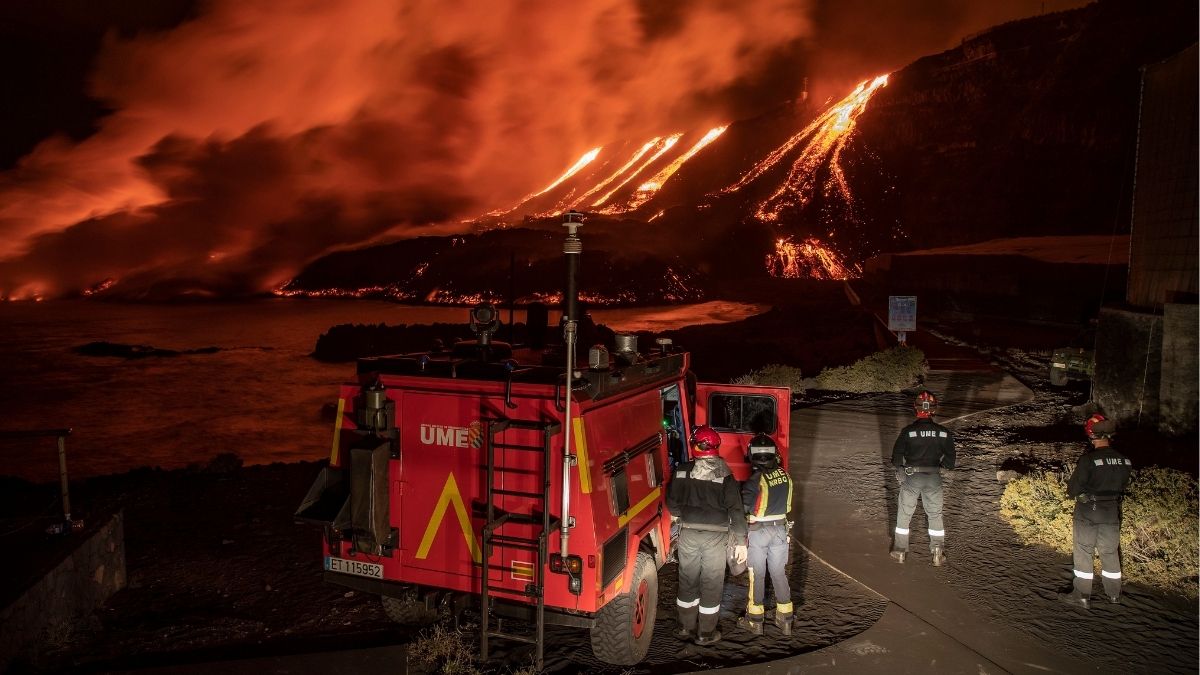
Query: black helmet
{"points": [[762, 452]]}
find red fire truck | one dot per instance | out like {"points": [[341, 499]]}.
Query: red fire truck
{"points": [[513, 479]]}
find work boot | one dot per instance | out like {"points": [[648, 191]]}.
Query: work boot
{"points": [[706, 639], [784, 622], [900, 556], [755, 626], [939, 557], [1075, 600], [685, 634]]}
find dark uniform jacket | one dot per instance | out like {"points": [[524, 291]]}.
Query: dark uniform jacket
{"points": [[1101, 472], [704, 495], [924, 444], [767, 495]]}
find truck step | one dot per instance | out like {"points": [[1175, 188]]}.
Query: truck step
{"points": [[519, 493], [510, 636], [514, 542], [518, 446], [534, 425]]}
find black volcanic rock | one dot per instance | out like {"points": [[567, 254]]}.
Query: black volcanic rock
{"points": [[1028, 128], [102, 348], [620, 265]]}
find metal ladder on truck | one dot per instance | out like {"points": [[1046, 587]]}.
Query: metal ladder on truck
{"points": [[493, 523]]}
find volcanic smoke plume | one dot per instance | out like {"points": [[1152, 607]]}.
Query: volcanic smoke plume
{"points": [[260, 134], [256, 136]]}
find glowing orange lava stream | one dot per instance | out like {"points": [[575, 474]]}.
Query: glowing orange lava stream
{"points": [[646, 190], [667, 143], [808, 259], [823, 140]]}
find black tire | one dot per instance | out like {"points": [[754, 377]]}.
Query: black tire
{"points": [[1058, 377], [624, 627], [408, 610]]}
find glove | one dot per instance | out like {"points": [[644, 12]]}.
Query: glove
{"points": [[740, 553]]}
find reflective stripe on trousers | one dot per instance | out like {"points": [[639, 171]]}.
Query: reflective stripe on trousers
{"points": [[1096, 530], [767, 554], [701, 578], [926, 487]]}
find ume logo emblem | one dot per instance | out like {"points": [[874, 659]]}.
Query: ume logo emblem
{"points": [[451, 437]]}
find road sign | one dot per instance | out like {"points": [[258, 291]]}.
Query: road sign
{"points": [[902, 313]]}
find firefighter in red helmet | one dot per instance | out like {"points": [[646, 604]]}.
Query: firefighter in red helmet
{"points": [[921, 451], [1097, 484], [706, 499]]}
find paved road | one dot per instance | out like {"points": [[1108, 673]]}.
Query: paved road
{"points": [[927, 627]]}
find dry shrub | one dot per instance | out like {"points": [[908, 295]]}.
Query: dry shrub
{"points": [[1160, 532], [449, 652], [442, 650], [1039, 510], [893, 369], [775, 375]]}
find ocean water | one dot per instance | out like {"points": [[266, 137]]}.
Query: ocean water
{"points": [[260, 396]]}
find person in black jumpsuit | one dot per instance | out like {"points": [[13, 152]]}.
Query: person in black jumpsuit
{"points": [[1096, 484], [922, 450], [706, 499]]}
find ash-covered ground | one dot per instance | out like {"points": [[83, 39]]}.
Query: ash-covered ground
{"points": [[218, 568]]}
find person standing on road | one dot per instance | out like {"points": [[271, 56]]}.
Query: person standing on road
{"points": [[1097, 484], [921, 451], [705, 498], [767, 498]]}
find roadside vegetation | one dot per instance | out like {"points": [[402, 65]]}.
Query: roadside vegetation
{"points": [[1159, 528], [894, 369], [775, 375]]}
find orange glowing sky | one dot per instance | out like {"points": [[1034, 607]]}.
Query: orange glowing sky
{"points": [[255, 136]]}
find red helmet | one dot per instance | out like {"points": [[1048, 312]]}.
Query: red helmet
{"points": [[925, 404], [705, 442], [1099, 426]]}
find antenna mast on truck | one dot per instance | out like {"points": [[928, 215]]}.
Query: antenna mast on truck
{"points": [[572, 248]]}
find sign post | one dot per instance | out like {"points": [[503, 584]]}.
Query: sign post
{"points": [[902, 316]]}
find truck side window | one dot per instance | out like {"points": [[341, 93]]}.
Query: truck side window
{"points": [[742, 413]]}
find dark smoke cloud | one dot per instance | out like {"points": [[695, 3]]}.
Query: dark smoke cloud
{"points": [[252, 137]]}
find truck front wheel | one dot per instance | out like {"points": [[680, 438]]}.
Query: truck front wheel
{"points": [[408, 610], [623, 628]]}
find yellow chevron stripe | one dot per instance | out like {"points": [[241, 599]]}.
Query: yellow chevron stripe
{"points": [[450, 496], [585, 471], [337, 432]]}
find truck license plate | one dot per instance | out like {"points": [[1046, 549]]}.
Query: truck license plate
{"points": [[369, 570]]}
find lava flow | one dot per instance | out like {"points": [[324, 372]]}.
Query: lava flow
{"points": [[823, 139], [809, 259], [647, 190]]}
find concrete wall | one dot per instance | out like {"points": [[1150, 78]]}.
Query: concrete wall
{"points": [[1179, 392], [1162, 254], [48, 611], [1128, 366]]}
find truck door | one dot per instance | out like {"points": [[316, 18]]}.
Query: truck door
{"points": [[738, 412]]}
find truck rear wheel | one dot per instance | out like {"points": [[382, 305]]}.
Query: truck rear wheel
{"points": [[623, 628], [408, 610]]}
